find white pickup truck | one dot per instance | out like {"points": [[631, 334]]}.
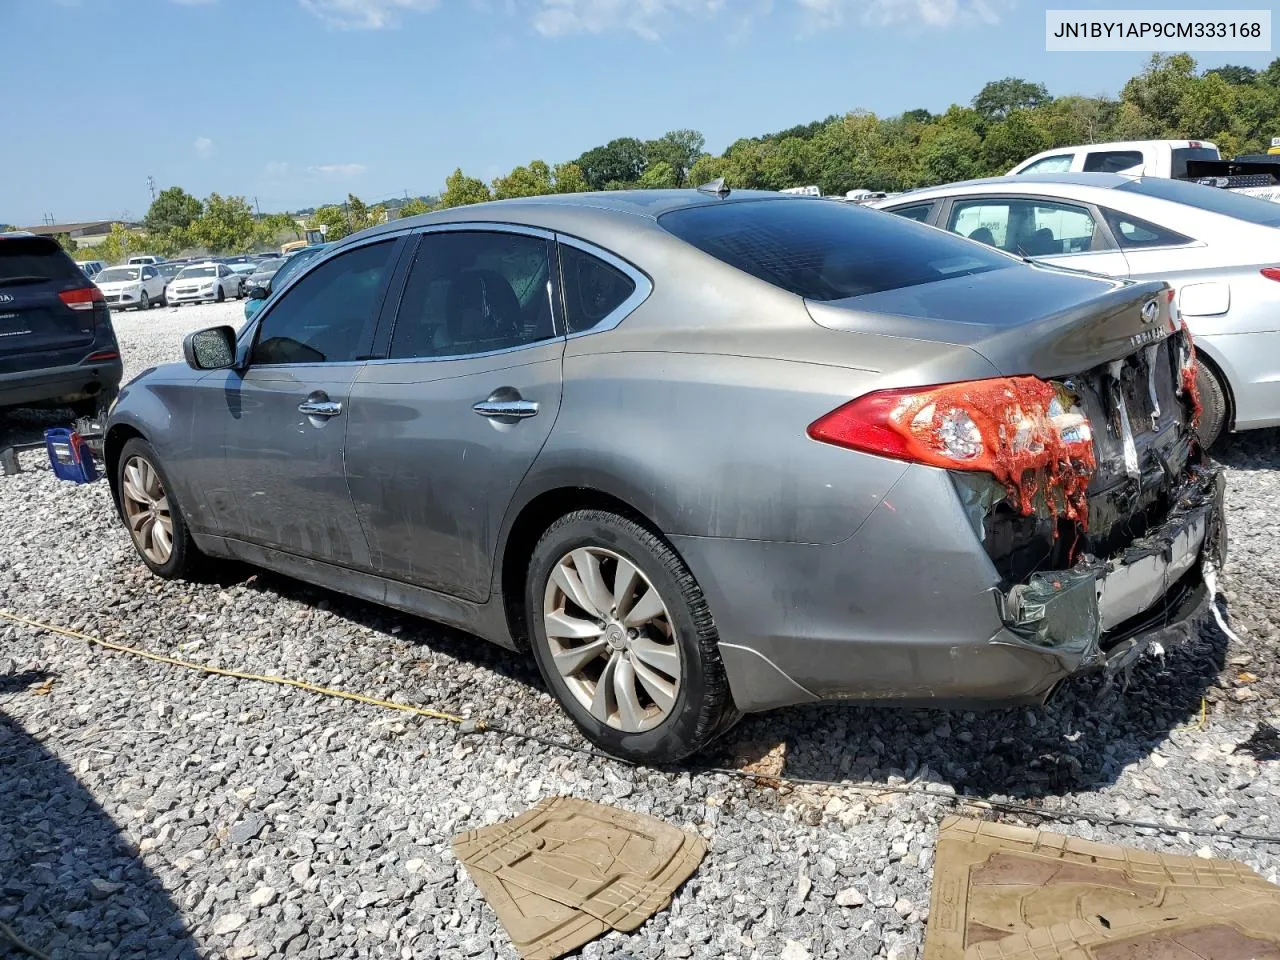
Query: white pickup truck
{"points": [[1195, 160]]}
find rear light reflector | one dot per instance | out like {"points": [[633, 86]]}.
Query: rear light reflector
{"points": [[103, 355], [1271, 273], [82, 299], [1027, 433]]}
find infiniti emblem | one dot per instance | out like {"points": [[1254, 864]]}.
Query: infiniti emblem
{"points": [[1150, 310]]}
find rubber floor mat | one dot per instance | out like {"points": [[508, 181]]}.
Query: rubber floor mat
{"points": [[567, 871], [1010, 893]]}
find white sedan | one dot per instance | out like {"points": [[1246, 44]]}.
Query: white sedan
{"points": [[138, 287], [204, 281]]}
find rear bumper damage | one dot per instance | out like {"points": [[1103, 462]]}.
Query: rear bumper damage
{"points": [[1103, 614]]}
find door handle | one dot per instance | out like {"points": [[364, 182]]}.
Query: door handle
{"points": [[320, 408], [502, 409]]}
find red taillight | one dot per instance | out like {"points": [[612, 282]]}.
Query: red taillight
{"points": [[1271, 273], [1027, 433], [102, 355], [82, 299]]}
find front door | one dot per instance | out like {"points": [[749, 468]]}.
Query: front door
{"points": [[283, 419], [444, 429]]}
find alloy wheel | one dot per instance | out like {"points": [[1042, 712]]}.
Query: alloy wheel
{"points": [[611, 639], [146, 510]]}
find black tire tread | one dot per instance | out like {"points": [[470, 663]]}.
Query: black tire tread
{"points": [[717, 712], [1214, 406]]}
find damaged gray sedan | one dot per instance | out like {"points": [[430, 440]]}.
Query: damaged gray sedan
{"points": [[700, 453]]}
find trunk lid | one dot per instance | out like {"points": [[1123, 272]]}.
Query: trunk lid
{"points": [[33, 318], [1117, 347]]}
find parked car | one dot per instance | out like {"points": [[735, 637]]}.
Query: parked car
{"points": [[146, 258], [1217, 249], [139, 287], [289, 265], [169, 270], [198, 282], [57, 346], [243, 268], [91, 268], [702, 453], [263, 271]]}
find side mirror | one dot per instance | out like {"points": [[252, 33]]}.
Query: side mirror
{"points": [[258, 293], [213, 348]]}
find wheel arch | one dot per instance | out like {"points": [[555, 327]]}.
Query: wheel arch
{"points": [[112, 443], [529, 524]]}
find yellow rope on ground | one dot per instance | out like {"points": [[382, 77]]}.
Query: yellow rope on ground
{"points": [[238, 674]]}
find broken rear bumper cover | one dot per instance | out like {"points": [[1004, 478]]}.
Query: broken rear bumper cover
{"points": [[1105, 613]]}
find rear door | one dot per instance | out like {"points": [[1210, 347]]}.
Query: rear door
{"points": [[443, 430], [34, 319], [1064, 233]]}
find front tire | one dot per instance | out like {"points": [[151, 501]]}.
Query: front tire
{"points": [[624, 640], [1213, 406], [222, 294], [152, 514], [144, 302]]}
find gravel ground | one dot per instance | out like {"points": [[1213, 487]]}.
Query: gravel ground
{"points": [[158, 812]]}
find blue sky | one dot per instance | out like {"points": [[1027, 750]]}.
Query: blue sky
{"points": [[298, 102]]}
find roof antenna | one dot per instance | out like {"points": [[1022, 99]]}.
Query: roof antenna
{"points": [[716, 186]]}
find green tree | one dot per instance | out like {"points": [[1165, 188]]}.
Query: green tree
{"points": [[460, 190], [334, 220], [658, 175], [678, 149], [531, 181], [705, 169], [1000, 97], [225, 226], [173, 209], [274, 226], [949, 153], [414, 207], [568, 178], [619, 161], [918, 115], [1011, 141], [67, 243], [1234, 74]]}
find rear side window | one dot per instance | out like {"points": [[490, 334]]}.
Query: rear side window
{"points": [[32, 259], [918, 212], [474, 292], [1182, 154], [593, 289], [1112, 161], [1134, 234], [827, 251], [1059, 163]]}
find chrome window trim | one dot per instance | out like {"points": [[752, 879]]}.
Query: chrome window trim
{"points": [[644, 286], [248, 334], [477, 226]]}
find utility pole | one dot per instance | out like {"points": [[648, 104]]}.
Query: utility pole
{"points": [[256, 207], [151, 184]]}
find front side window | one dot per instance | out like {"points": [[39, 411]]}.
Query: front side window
{"points": [[1028, 228], [593, 289], [1060, 163], [324, 316], [474, 292], [1112, 161]]}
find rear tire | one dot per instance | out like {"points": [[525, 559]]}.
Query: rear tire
{"points": [[144, 302], [152, 514], [222, 294], [1213, 406], [640, 715]]}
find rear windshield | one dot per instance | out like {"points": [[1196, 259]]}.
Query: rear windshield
{"points": [[1182, 154], [117, 274], [1211, 199], [31, 259], [828, 251], [191, 273]]}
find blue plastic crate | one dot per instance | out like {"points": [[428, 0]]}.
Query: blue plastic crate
{"points": [[70, 456]]}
